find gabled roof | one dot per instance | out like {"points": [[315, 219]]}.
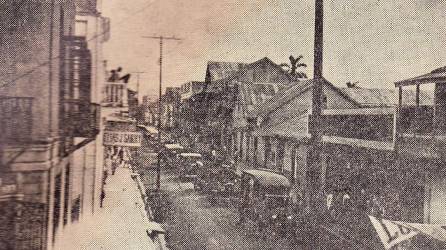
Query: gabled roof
{"points": [[289, 94], [255, 93], [219, 70], [375, 97], [232, 71], [436, 75], [290, 126]]}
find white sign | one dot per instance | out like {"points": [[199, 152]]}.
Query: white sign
{"points": [[393, 232], [125, 139]]}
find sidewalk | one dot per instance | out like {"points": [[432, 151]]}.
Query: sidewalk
{"points": [[120, 224]]}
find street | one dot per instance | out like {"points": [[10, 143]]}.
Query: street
{"points": [[193, 223]]}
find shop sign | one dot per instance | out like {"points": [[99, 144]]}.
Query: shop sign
{"points": [[8, 185], [124, 139], [392, 233]]}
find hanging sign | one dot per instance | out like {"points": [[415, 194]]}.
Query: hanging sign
{"points": [[392, 233], [125, 139]]}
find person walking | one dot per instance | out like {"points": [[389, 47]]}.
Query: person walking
{"points": [[102, 197]]}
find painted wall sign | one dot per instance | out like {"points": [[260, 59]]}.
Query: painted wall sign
{"points": [[126, 139]]}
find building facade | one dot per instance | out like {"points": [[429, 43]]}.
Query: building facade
{"points": [[50, 121]]}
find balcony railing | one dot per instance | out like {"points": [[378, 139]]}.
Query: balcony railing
{"points": [[363, 124], [417, 120], [15, 119], [115, 94], [82, 119]]}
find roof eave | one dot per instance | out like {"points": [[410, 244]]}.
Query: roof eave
{"points": [[417, 80]]}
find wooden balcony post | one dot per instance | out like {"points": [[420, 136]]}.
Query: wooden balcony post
{"points": [[417, 96]]}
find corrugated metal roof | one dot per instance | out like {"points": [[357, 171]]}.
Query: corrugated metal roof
{"points": [[256, 93], [220, 70], [293, 126], [436, 75], [386, 97], [287, 94]]}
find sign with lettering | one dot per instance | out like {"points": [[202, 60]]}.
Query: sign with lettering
{"points": [[8, 184], [125, 139], [392, 233]]}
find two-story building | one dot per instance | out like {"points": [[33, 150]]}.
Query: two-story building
{"points": [[231, 89], [50, 169]]}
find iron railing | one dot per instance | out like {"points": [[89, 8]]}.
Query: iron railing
{"points": [[81, 119]]}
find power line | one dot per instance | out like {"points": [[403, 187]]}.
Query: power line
{"points": [[91, 39], [161, 40]]}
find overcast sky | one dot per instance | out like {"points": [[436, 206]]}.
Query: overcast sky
{"points": [[375, 42]]}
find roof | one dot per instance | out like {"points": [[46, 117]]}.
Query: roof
{"points": [[436, 75], [288, 94], [290, 126], [376, 97], [268, 178], [217, 83], [256, 93], [220, 70], [173, 146], [190, 154]]}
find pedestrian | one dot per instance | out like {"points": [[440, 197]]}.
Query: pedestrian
{"points": [[102, 197], [114, 76], [105, 176]]}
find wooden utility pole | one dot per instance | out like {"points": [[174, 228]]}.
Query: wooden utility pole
{"points": [[316, 108], [158, 169]]}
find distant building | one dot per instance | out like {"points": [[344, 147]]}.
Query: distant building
{"points": [[170, 104], [227, 86], [189, 89]]}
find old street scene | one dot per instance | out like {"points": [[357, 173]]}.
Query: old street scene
{"points": [[222, 125]]}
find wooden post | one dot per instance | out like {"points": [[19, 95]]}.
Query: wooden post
{"points": [[316, 126]]}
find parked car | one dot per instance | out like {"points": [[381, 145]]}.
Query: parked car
{"points": [[226, 186], [189, 165], [169, 154], [205, 179], [265, 200]]}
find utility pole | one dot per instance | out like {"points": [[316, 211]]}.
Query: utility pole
{"points": [[137, 80], [315, 169], [316, 108], [158, 169]]}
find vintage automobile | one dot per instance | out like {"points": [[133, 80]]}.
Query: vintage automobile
{"points": [[169, 154], [205, 179], [265, 200], [189, 165], [221, 183], [226, 186]]}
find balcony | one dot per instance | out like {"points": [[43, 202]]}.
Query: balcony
{"points": [[366, 127], [421, 132], [16, 119], [416, 120], [81, 119], [115, 94]]}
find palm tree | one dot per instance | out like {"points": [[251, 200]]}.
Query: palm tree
{"points": [[293, 65]]}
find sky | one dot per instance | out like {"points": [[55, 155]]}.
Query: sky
{"points": [[373, 42]]}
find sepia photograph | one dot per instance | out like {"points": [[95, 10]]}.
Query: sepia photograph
{"points": [[214, 125]]}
